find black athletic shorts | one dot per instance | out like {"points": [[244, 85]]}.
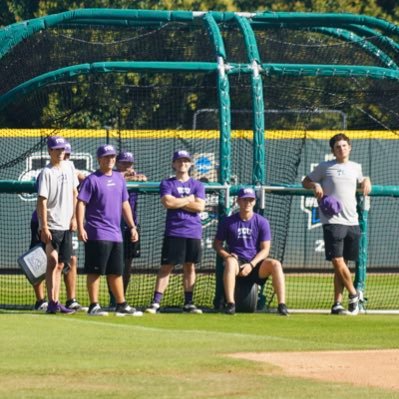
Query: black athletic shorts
{"points": [[104, 257], [130, 249], [178, 250], [341, 241], [254, 275], [35, 235], [35, 240], [62, 242]]}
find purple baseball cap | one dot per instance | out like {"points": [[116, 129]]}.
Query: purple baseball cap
{"points": [[330, 206], [125, 156], [105, 150], [247, 193], [68, 148], [181, 154], [56, 142]]}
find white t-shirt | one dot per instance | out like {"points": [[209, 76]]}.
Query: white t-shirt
{"points": [[339, 180], [57, 184]]}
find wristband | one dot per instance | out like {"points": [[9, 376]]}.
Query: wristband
{"points": [[251, 265]]}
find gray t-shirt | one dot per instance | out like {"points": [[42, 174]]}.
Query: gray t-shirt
{"points": [[57, 184], [339, 180]]}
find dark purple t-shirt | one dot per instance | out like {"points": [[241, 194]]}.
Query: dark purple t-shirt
{"points": [[103, 196], [181, 223], [243, 237]]}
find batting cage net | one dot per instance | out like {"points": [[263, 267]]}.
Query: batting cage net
{"points": [[254, 98]]}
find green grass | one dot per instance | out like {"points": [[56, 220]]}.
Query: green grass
{"points": [[176, 355], [305, 291]]}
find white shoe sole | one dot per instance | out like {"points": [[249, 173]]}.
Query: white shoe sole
{"points": [[151, 311], [354, 313], [137, 313], [102, 314], [195, 311]]}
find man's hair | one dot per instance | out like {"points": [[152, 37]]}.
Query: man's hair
{"points": [[339, 137]]}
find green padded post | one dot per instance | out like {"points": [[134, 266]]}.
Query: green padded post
{"points": [[258, 166], [258, 121], [225, 141], [361, 264]]}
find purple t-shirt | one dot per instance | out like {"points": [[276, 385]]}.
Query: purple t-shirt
{"points": [[103, 196], [181, 223], [243, 237]]}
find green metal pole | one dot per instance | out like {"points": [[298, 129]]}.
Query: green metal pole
{"points": [[361, 264], [223, 89]]}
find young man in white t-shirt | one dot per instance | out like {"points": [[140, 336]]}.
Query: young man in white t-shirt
{"points": [[56, 213], [334, 184]]}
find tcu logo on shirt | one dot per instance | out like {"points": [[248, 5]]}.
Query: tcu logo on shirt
{"points": [[244, 232], [184, 191]]}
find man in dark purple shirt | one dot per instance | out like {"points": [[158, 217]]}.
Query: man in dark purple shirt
{"points": [[125, 165], [184, 199], [102, 201], [248, 237]]}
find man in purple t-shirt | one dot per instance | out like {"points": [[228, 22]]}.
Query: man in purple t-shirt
{"points": [[102, 201], [125, 166], [184, 199], [247, 235]]}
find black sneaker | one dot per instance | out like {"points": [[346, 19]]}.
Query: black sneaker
{"points": [[73, 304], [282, 309], [153, 308], [230, 309], [191, 308], [126, 310], [338, 309], [41, 306], [353, 305], [95, 310]]}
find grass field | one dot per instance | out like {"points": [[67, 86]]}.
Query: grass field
{"points": [[177, 355], [304, 291]]}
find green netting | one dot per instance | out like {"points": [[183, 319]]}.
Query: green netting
{"points": [[154, 82]]}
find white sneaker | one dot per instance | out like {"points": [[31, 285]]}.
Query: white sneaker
{"points": [[191, 308], [126, 310], [353, 306], [153, 308], [41, 306], [96, 311], [362, 302], [75, 305]]}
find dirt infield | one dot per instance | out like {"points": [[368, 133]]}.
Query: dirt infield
{"points": [[374, 368]]}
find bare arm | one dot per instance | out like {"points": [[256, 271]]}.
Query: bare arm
{"points": [[220, 249], [365, 185], [311, 185], [247, 268], [80, 217], [80, 176], [45, 234], [73, 225], [133, 176], [171, 202], [197, 206], [128, 218]]}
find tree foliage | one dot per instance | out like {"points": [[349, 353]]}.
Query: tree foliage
{"points": [[17, 10]]}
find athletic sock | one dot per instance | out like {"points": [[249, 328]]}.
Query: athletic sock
{"points": [[157, 297], [188, 297]]}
